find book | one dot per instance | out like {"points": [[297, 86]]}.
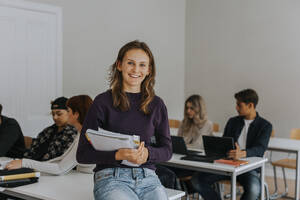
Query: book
{"points": [[103, 140], [18, 182], [19, 176], [235, 163]]}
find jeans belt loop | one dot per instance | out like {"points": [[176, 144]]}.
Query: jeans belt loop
{"points": [[116, 172], [145, 172]]}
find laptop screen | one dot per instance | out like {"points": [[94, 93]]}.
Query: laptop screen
{"points": [[217, 146], [178, 145]]}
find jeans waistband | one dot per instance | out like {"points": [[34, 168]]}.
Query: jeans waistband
{"points": [[117, 172]]}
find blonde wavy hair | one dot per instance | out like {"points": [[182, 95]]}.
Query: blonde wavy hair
{"points": [[198, 105], [120, 99]]}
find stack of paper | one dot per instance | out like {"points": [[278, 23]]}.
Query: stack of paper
{"points": [[103, 140]]}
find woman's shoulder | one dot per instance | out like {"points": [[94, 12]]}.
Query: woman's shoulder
{"points": [[209, 123], [103, 98], [158, 101], [104, 95]]}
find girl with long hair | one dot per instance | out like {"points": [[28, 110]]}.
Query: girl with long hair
{"points": [[195, 123], [129, 107]]}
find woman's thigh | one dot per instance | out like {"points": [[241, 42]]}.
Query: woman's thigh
{"points": [[113, 189], [151, 187]]}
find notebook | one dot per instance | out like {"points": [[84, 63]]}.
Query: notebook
{"points": [[214, 147]]}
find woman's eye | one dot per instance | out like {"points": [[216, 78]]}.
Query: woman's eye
{"points": [[130, 63], [142, 65]]}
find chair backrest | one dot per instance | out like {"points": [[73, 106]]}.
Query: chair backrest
{"points": [[216, 127], [295, 134], [174, 123], [273, 133]]}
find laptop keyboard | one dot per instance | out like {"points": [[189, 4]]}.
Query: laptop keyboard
{"points": [[199, 158]]}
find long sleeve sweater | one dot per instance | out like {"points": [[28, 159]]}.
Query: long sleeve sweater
{"points": [[57, 166], [193, 137], [132, 122]]}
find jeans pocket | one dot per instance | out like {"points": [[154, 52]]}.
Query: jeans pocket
{"points": [[105, 173]]}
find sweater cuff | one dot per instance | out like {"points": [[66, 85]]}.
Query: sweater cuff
{"points": [[151, 153], [26, 163]]}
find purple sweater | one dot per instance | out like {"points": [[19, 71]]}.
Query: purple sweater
{"points": [[132, 122]]}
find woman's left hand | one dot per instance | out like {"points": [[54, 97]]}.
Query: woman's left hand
{"points": [[144, 155], [14, 164]]}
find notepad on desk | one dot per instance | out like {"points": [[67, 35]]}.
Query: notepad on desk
{"points": [[103, 140], [235, 163]]}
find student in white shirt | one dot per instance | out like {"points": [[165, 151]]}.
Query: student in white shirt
{"points": [[77, 109]]}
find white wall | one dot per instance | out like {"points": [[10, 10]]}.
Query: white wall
{"points": [[94, 31], [233, 45]]}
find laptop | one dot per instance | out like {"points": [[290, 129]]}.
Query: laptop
{"points": [[179, 146], [215, 148]]}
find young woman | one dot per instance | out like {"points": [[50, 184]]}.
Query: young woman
{"points": [[56, 139], [195, 123], [77, 108], [132, 108]]}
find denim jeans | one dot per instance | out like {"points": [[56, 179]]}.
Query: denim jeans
{"points": [[202, 183], [128, 184]]}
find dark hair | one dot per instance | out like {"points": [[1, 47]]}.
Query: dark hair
{"points": [[80, 104], [120, 99], [247, 96], [0, 109]]}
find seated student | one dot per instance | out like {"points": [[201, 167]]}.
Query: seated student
{"points": [[251, 134], [54, 140], [77, 109], [11, 137], [195, 123]]}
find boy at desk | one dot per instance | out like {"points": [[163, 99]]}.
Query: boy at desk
{"points": [[251, 134]]}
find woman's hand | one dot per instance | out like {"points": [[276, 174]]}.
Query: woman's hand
{"points": [[136, 156], [14, 164]]}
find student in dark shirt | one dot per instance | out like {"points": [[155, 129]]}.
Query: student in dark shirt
{"points": [[11, 137], [130, 107], [251, 134]]}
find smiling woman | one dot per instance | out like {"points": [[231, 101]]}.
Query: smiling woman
{"points": [[131, 108]]}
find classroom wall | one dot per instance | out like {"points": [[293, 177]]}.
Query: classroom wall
{"points": [[94, 31], [233, 44]]}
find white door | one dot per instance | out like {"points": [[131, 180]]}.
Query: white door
{"points": [[30, 62]]}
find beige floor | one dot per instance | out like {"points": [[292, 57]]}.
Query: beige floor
{"points": [[270, 182]]}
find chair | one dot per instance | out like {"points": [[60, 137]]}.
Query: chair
{"points": [[216, 127], [174, 123], [284, 163]]}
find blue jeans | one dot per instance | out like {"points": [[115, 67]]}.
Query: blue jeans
{"points": [[202, 183], [128, 184]]}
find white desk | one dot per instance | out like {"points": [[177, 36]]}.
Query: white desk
{"points": [[291, 146], [73, 186], [222, 169]]}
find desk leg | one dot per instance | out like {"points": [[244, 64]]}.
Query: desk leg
{"points": [[297, 176], [233, 186], [262, 182]]}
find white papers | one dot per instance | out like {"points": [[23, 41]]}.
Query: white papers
{"points": [[103, 140]]}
